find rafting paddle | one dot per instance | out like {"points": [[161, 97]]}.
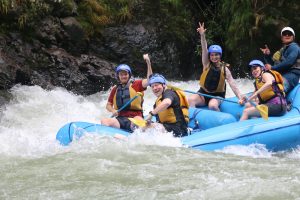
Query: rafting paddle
{"points": [[139, 122], [263, 109], [131, 100], [205, 95]]}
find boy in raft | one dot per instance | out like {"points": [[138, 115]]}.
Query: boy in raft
{"points": [[268, 91], [212, 80], [170, 108], [122, 93]]}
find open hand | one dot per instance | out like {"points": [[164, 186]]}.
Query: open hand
{"points": [[242, 100], [266, 50], [268, 66], [115, 113], [149, 118]]}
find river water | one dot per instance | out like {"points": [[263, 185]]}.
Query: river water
{"points": [[33, 165]]}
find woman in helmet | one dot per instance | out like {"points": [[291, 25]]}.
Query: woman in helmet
{"points": [[170, 108], [286, 60], [268, 91], [215, 72], [122, 93]]}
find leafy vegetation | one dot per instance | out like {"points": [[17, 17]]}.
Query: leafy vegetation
{"points": [[22, 13]]}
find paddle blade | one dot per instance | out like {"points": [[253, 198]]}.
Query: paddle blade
{"points": [[139, 94], [264, 111], [138, 122]]}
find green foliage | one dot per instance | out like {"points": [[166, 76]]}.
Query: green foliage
{"points": [[23, 12], [248, 20], [93, 16], [176, 19], [124, 14], [173, 3], [96, 14], [4, 6], [63, 8], [241, 27]]}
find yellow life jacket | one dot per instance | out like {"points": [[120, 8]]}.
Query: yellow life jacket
{"points": [[275, 90], [171, 114], [124, 94], [277, 56], [212, 79]]}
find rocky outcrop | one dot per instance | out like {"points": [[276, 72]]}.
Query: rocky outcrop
{"points": [[44, 62], [60, 55]]}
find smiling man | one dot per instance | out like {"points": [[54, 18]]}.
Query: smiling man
{"points": [[170, 108], [125, 100], [286, 60]]}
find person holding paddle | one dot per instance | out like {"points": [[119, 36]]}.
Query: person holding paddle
{"points": [[126, 98], [170, 108], [286, 60], [212, 79], [268, 91]]}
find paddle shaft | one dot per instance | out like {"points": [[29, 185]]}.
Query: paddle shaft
{"points": [[126, 104], [210, 96]]}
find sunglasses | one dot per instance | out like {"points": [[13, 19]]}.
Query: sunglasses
{"points": [[287, 33]]}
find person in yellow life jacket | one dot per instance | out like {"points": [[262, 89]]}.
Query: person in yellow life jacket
{"points": [[268, 91], [212, 80], [120, 101], [170, 108]]}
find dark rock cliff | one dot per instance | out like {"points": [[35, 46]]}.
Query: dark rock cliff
{"points": [[60, 55]]}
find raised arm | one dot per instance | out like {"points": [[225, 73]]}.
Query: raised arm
{"points": [[201, 30], [267, 55], [149, 70]]}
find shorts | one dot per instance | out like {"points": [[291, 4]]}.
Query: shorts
{"points": [[276, 109], [125, 123], [178, 130], [207, 99]]}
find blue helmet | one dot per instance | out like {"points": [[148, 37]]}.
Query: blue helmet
{"points": [[215, 49], [257, 63], [123, 67], [157, 78]]}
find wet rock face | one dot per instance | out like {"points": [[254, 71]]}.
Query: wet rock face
{"points": [[59, 55], [127, 44], [44, 62]]}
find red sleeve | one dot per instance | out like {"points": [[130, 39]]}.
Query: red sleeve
{"points": [[138, 85], [112, 94]]}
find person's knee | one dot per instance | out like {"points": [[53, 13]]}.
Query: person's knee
{"points": [[245, 115], [192, 100], [290, 80], [248, 105], [105, 122], [245, 111], [214, 105]]}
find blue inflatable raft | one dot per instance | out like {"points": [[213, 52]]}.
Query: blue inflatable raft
{"points": [[216, 130]]}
